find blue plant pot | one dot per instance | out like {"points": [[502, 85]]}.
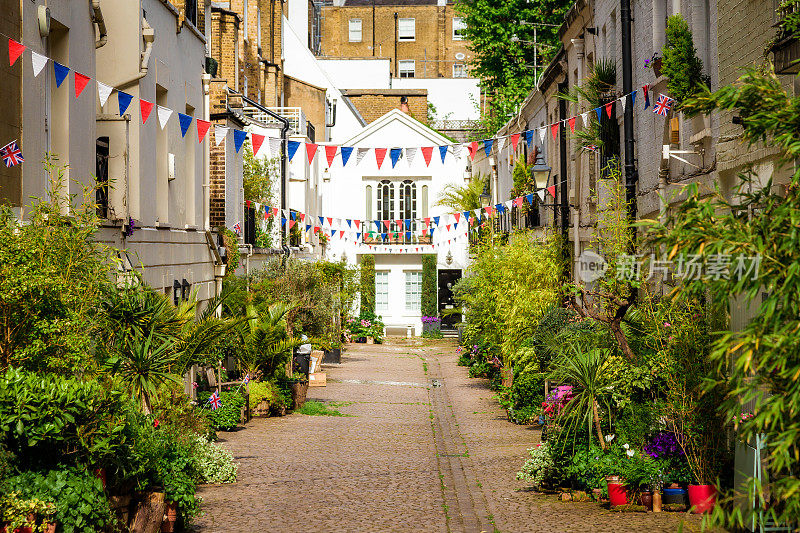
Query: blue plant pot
{"points": [[675, 496]]}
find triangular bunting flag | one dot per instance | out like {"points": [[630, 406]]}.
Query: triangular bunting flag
{"points": [[240, 135], [330, 153], [346, 152], [60, 72], [292, 148], [380, 155], [427, 153], [124, 100], [275, 146], [163, 115], [609, 108], [436, 220], [528, 137], [443, 152], [622, 101], [529, 199], [501, 142], [646, 92], [394, 155], [38, 62], [487, 146], [542, 132], [599, 111], [633, 99], [585, 117], [202, 129], [220, 132], [256, 140], [360, 153], [15, 49], [311, 151], [473, 149], [571, 123], [540, 193], [515, 141], [145, 108], [552, 190], [554, 130], [411, 153], [80, 83]]}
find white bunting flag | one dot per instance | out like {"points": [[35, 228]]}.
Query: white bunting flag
{"points": [[103, 91], [501, 142], [509, 203], [163, 115], [478, 214], [585, 117], [622, 101], [541, 194], [360, 155], [275, 146], [542, 132], [411, 153], [38, 61], [220, 132]]}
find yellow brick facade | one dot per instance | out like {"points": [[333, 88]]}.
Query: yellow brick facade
{"points": [[373, 104], [433, 49]]}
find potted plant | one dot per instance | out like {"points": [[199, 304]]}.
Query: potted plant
{"points": [[26, 516], [638, 469], [170, 517], [655, 63]]}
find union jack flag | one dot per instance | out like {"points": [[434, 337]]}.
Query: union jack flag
{"points": [[214, 401], [237, 228], [663, 105], [246, 379], [12, 155]]}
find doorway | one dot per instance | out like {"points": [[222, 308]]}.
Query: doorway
{"points": [[448, 279]]}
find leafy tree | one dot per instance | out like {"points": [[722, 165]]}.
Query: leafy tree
{"points": [[681, 64], [500, 62], [761, 362]]}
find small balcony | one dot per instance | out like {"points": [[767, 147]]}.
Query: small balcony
{"points": [[786, 48], [298, 125], [395, 234]]}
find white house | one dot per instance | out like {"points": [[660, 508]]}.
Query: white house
{"points": [[406, 192]]}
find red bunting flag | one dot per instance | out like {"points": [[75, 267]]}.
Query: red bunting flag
{"points": [[357, 223], [275, 211], [572, 124], [257, 141], [267, 213], [380, 155], [311, 151], [80, 83], [330, 153], [471, 220], [341, 234], [424, 231], [316, 229], [489, 210], [609, 107], [458, 217], [515, 140], [15, 49], [388, 224], [473, 149], [145, 107], [518, 201], [292, 223], [202, 129], [399, 222], [427, 153], [448, 227], [330, 221], [552, 190], [554, 130]]}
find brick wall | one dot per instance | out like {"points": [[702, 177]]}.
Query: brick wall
{"points": [[374, 103], [433, 48], [310, 97]]}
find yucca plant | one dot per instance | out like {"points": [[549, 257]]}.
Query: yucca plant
{"points": [[463, 198], [147, 362]]}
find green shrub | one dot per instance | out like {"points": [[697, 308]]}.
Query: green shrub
{"points": [[81, 504], [681, 64], [430, 293], [213, 463], [229, 415], [540, 467], [261, 391], [368, 283]]}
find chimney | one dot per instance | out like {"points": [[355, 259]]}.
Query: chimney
{"points": [[404, 105]]}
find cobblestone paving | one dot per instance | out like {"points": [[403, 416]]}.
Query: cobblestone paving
{"points": [[424, 448]]}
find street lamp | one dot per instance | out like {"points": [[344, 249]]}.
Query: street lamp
{"points": [[541, 172]]}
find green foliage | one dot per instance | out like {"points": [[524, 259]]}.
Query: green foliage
{"points": [[212, 463], [502, 64], [81, 504], [760, 363], [232, 256], [527, 395], [430, 291], [47, 419], [258, 176], [262, 391], [314, 408], [587, 467], [540, 467], [681, 64], [458, 198], [15, 512], [52, 274], [368, 283], [597, 89], [229, 415]]}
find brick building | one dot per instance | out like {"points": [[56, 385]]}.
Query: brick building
{"points": [[374, 103], [422, 38]]}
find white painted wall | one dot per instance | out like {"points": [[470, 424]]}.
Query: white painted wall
{"points": [[367, 73], [454, 98], [345, 197]]}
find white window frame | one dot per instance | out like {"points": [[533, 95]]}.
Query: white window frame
{"points": [[381, 298], [350, 30], [458, 25], [403, 34], [406, 62], [413, 297], [460, 70]]}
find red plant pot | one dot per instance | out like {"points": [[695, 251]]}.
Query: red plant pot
{"points": [[617, 494], [702, 498]]}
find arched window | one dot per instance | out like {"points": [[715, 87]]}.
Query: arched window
{"points": [[385, 200], [408, 199]]}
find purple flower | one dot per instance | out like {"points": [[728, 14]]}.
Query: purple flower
{"points": [[664, 444]]}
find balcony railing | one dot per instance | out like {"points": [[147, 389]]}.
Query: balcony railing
{"points": [[298, 125], [786, 49], [395, 234]]}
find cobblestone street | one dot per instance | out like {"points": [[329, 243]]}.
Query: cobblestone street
{"points": [[423, 448]]}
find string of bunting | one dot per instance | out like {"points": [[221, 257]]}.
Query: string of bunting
{"points": [[61, 72]]}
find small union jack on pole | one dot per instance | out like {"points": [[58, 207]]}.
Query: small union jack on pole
{"points": [[663, 105], [12, 155], [215, 401]]}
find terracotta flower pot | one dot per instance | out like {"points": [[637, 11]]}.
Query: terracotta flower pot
{"points": [[170, 517], [702, 498], [51, 527], [646, 499]]}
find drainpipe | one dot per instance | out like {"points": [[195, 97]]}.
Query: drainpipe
{"points": [[631, 175], [149, 36], [206, 156], [97, 18], [396, 37], [284, 161], [373, 28], [576, 224]]}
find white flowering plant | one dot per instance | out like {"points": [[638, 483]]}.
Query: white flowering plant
{"points": [[213, 463], [540, 467]]}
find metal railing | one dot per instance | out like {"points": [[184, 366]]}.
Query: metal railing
{"points": [[297, 119]]}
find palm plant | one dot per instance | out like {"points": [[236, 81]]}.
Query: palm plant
{"points": [[147, 362], [596, 90], [588, 373], [463, 198]]}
